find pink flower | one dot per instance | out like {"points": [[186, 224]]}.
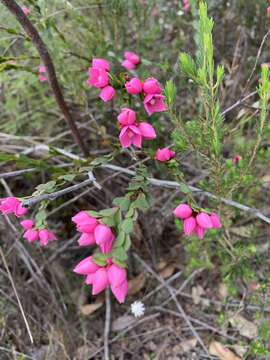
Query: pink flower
{"points": [[268, 10], [199, 231], [147, 131], [164, 154], [130, 135], [41, 73], [151, 86], [11, 205], [204, 220], [183, 211], [128, 65], [107, 93], [27, 224], [189, 225], [116, 275], [86, 266], [236, 159], [100, 281], [186, 5], [31, 235], [134, 86], [45, 236], [98, 77], [154, 103], [104, 238], [120, 292], [84, 222], [132, 57], [100, 64], [215, 221], [87, 239], [25, 10], [127, 117]]}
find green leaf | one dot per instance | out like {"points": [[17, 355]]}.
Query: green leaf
{"points": [[100, 259], [108, 212], [46, 188], [127, 243], [170, 92], [120, 239], [120, 254], [110, 221], [141, 203], [119, 263], [67, 177], [122, 202], [188, 65], [93, 213], [40, 218], [184, 188], [127, 225]]}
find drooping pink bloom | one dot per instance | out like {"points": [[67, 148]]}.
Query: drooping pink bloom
{"points": [[268, 10], [132, 57], [107, 93], [189, 225], [128, 65], [100, 281], [25, 10], [12, 205], [183, 211], [31, 235], [86, 266], [27, 224], [154, 103], [215, 221], [84, 222], [87, 239], [127, 117], [130, 135], [101, 64], [186, 5], [204, 220], [200, 232], [236, 159], [98, 77], [45, 236], [151, 86], [164, 154], [134, 86], [120, 292], [116, 275], [104, 238], [147, 131]]}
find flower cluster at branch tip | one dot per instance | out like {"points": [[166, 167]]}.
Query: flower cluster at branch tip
{"points": [[42, 73], [132, 132], [12, 205], [186, 5], [101, 277], [99, 78], [131, 60], [164, 154], [33, 234], [153, 99], [196, 223], [93, 232], [25, 10]]}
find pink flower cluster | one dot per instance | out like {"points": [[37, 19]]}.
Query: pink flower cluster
{"points": [[196, 223], [94, 232], [25, 10], [186, 5], [150, 88], [12, 205], [132, 132], [99, 78], [42, 73], [102, 277], [131, 60], [31, 234]]}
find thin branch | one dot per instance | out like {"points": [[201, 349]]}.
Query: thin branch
{"points": [[107, 326], [33, 34], [239, 102], [159, 183]]}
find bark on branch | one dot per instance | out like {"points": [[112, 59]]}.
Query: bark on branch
{"points": [[33, 34]]}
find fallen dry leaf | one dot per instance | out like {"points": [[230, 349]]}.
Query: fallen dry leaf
{"points": [[245, 327], [243, 231], [136, 284], [217, 349], [89, 309], [223, 291], [167, 271], [122, 322]]}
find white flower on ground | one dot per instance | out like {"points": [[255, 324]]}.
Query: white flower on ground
{"points": [[137, 309]]}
